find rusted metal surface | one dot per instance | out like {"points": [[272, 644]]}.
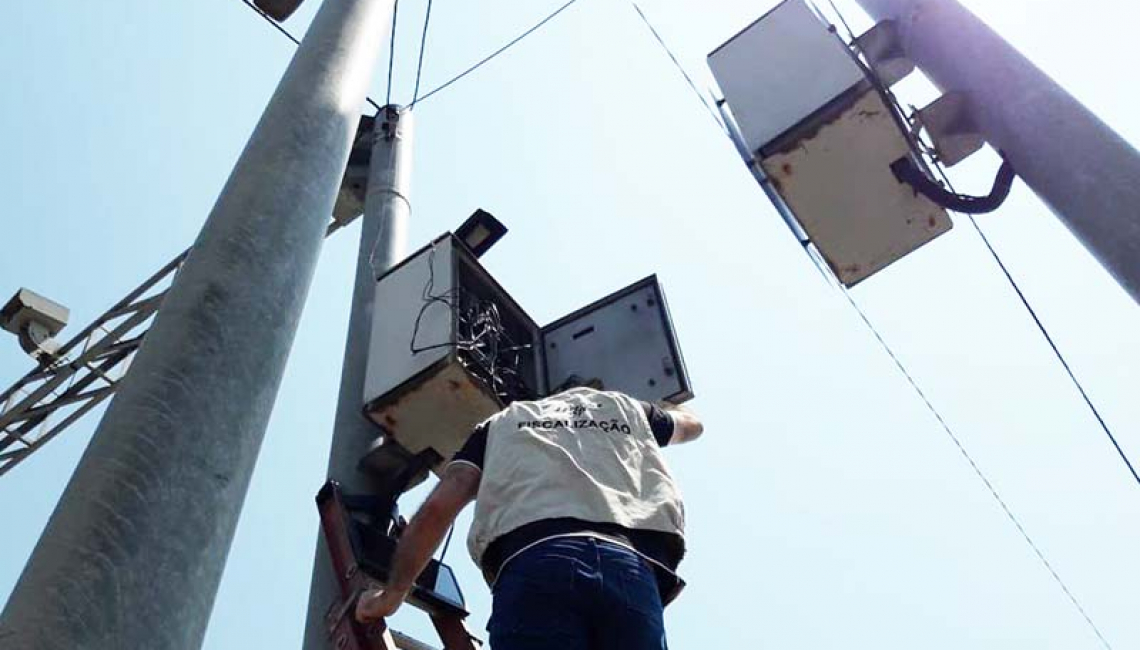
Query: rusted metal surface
{"points": [[453, 633], [836, 179], [436, 410]]}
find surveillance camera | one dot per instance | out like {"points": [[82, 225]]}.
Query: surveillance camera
{"points": [[35, 320]]}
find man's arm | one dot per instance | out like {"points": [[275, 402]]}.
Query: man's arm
{"points": [[686, 426], [419, 540]]}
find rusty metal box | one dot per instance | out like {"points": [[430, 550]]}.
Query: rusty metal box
{"points": [[825, 138], [835, 177], [450, 347]]}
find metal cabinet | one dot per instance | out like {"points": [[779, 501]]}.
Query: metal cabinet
{"points": [[450, 347]]}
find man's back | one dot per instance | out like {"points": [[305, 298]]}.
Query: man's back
{"points": [[578, 523], [582, 454]]}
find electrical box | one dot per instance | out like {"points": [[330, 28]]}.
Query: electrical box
{"points": [[781, 69], [825, 136], [450, 347]]}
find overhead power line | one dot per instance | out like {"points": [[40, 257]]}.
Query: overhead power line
{"points": [[392, 51], [680, 68], [489, 57], [1048, 337], [423, 48], [977, 469]]}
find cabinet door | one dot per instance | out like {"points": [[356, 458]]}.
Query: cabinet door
{"points": [[626, 340]]}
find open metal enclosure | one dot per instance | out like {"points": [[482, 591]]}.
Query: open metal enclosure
{"points": [[450, 347], [431, 377], [825, 137], [625, 339]]}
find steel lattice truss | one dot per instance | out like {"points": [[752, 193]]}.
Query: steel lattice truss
{"points": [[85, 371]]}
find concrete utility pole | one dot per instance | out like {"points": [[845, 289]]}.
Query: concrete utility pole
{"points": [[383, 243], [1086, 173], [133, 554]]}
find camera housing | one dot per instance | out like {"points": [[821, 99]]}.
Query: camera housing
{"points": [[34, 319]]}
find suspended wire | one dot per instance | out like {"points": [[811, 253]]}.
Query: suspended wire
{"points": [[392, 51], [977, 470], [680, 68], [423, 47], [296, 41], [1045, 333], [270, 20], [496, 53]]}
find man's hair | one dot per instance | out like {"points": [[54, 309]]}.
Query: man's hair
{"points": [[577, 381]]}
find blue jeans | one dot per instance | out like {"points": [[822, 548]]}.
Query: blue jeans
{"points": [[577, 593]]}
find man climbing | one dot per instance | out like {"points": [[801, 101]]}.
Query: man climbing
{"points": [[578, 524]]}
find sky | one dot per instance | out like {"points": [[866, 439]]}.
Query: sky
{"points": [[827, 508]]}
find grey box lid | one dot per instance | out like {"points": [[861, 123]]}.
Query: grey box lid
{"points": [[780, 70]]}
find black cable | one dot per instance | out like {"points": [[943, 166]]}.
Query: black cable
{"points": [[977, 470], [392, 51], [278, 27], [423, 47], [700, 97], [496, 53], [908, 173]]}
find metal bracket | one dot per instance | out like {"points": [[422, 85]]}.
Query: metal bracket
{"points": [[884, 51], [950, 123], [354, 186]]}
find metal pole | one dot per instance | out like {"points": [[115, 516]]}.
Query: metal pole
{"points": [[1086, 173], [383, 243], [133, 554]]}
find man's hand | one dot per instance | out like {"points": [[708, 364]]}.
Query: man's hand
{"points": [[425, 531], [378, 603]]}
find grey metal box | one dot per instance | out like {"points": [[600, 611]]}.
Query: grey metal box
{"points": [[781, 69], [625, 339], [430, 378]]}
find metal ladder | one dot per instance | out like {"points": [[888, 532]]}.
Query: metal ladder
{"points": [[360, 543]]}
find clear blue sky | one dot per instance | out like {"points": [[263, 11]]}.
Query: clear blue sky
{"points": [[827, 508]]}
